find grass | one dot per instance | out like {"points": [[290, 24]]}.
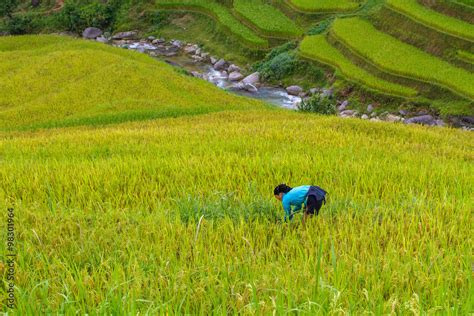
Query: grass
{"points": [[176, 215], [466, 56], [396, 57], [431, 18], [222, 15], [89, 92], [325, 5], [318, 48], [267, 19]]}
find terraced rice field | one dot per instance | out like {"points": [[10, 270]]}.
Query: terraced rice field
{"points": [[268, 19], [431, 18], [318, 48], [399, 58], [222, 15], [466, 56], [325, 5]]}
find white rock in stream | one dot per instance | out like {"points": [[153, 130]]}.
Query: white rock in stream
{"points": [[235, 76], [252, 79]]}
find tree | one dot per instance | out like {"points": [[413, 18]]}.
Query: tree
{"points": [[7, 7]]}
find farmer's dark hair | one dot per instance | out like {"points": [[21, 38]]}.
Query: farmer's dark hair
{"points": [[281, 188]]}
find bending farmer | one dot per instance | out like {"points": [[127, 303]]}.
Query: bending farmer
{"points": [[312, 197]]}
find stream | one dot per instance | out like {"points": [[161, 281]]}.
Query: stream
{"points": [[274, 95]]}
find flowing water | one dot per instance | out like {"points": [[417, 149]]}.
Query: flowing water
{"points": [[274, 95]]}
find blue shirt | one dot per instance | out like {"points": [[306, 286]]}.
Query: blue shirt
{"points": [[295, 197]]}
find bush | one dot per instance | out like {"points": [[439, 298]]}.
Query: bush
{"points": [[19, 24], [279, 63], [318, 104], [76, 18]]}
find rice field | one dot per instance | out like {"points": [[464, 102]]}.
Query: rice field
{"points": [[222, 15], [175, 215], [325, 5], [392, 55], [268, 19], [318, 48], [89, 93], [466, 56], [431, 18]]}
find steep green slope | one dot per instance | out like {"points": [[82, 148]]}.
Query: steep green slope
{"points": [[394, 56], [102, 85]]}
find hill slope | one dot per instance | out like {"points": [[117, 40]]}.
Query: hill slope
{"points": [[75, 82]]}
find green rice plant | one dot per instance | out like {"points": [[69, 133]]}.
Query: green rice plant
{"points": [[394, 56], [433, 19], [318, 48], [325, 5], [220, 13], [466, 56], [89, 92], [267, 19]]}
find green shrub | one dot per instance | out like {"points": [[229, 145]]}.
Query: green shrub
{"points": [[19, 24], [7, 7], [318, 104], [76, 18]]}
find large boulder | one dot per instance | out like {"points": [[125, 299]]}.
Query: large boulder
{"points": [[343, 106], [235, 76], [125, 35], [252, 79], [91, 33], [233, 68], [294, 90], [421, 119], [220, 64]]}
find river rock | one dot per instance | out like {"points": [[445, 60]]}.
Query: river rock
{"points": [[196, 74], [176, 43], [205, 55], [220, 64], [102, 39], [91, 33], [348, 113], [252, 79], [393, 118], [197, 58], [343, 106], [158, 41], [403, 112], [235, 76], [191, 49], [125, 35], [364, 117], [213, 60], [439, 123], [294, 90], [250, 87], [370, 108], [233, 68], [422, 119]]}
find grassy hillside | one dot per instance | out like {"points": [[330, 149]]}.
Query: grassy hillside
{"points": [[176, 215], [89, 92]]}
